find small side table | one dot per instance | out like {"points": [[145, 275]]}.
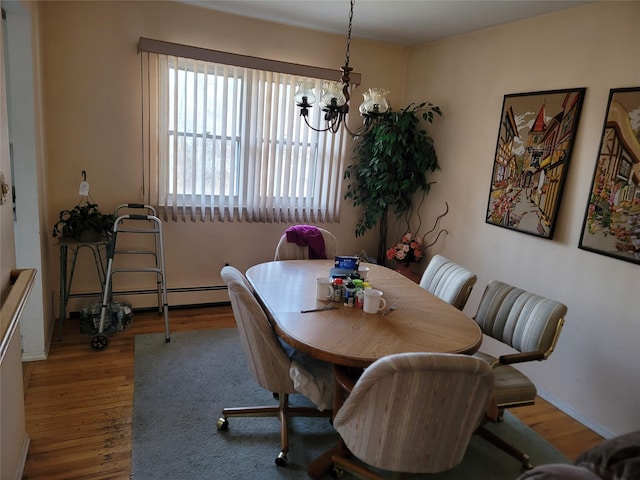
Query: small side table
{"points": [[66, 276]]}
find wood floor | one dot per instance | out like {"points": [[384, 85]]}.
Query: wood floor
{"points": [[79, 402]]}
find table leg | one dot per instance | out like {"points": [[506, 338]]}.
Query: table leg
{"points": [[97, 258], [63, 289], [342, 384]]}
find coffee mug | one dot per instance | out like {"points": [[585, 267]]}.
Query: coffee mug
{"points": [[324, 289], [373, 301], [363, 271]]}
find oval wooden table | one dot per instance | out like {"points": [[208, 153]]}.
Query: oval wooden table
{"points": [[347, 336]]}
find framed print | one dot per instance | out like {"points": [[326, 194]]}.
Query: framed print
{"points": [[612, 220], [535, 139]]}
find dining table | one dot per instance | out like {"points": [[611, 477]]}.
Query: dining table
{"points": [[414, 320]]}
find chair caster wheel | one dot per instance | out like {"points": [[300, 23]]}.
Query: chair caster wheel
{"points": [[99, 342], [281, 459], [526, 467], [337, 473], [526, 462], [222, 424]]}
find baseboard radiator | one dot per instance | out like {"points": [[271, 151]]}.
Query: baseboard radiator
{"points": [[146, 298]]}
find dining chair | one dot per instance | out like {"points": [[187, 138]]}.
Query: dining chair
{"points": [[291, 251], [267, 361], [411, 413], [448, 281], [528, 323]]}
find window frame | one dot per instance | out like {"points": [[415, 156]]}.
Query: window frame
{"points": [[149, 46]]}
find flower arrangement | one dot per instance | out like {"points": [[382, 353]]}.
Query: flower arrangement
{"points": [[407, 250], [411, 248]]}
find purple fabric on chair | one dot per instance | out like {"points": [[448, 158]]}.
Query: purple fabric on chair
{"points": [[306, 235]]}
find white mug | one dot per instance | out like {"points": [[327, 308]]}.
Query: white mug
{"points": [[364, 272], [324, 289], [373, 301]]}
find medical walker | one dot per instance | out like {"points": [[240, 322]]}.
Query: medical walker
{"points": [[134, 224]]}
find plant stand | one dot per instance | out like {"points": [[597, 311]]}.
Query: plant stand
{"points": [[66, 274]]}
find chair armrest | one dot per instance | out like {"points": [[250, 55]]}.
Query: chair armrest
{"points": [[520, 357]]}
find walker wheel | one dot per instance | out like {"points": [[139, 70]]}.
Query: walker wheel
{"points": [[99, 342]]}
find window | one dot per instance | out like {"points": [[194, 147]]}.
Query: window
{"points": [[231, 145], [201, 131]]}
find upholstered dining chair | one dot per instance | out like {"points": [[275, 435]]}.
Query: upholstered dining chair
{"points": [[267, 360], [448, 281], [528, 323], [291, 251], [412, 413]]}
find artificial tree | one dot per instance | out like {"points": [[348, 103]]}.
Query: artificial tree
{"points": [[391, 162]]}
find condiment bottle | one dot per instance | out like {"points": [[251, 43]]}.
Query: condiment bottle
{"points": [[337, 289], [359, 293], [359, 298], [349, 291]]}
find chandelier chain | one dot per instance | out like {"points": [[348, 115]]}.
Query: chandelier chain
{"points": [[347, 54]]}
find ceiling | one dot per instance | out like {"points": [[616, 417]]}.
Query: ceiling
{"points": [[402, 22]]}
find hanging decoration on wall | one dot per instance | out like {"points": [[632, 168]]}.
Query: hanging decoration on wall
{"points": [[535, 139], [612, 220]]}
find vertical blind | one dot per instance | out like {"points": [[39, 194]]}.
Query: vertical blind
{"points": [[226, 142]]}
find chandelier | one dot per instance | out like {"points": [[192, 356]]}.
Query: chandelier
{"points": [[334, 97]]}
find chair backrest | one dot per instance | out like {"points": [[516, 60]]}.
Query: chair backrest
{"points": [[448, 281], [415, 412], [522, 320], [290, 251], [266, 359]]}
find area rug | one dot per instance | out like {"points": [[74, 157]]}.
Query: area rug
{"points": [[180, 390]]}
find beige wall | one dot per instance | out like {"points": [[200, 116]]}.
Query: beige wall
{"points": [[93, 120], [594, 372]]}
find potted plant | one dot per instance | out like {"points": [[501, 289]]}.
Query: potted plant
{"points": [[84, 223], [392, 159]]}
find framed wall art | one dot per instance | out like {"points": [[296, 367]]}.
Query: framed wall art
{"points": [[612, 220], [535, 139]]}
